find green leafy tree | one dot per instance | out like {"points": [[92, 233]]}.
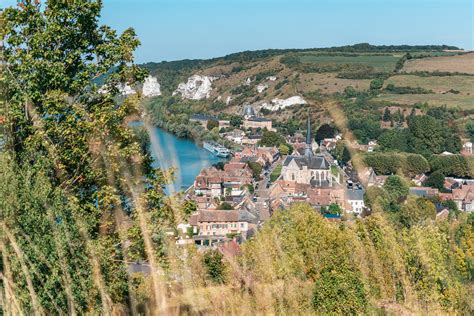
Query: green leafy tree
{"points": [[68, 155], [435, 180], [256, 169], [324, 131], [386, 115], [376, 84], [271, 139], [225, 206], [211, 124], [284, 149], [213, 261], [339, 290], [396, 188], [415, 210]]}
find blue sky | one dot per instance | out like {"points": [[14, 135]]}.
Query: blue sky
{"points": [[178, 29]]}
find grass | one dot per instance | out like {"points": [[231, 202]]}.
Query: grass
{"points": [[465, 102], [275, 173], [327, 83], [385, 63], [463, 84], [459, 63]]}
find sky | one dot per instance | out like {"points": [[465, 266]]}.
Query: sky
{"points": [[181, 29]]}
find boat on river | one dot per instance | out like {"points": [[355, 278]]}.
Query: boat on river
{"points": [[216, 149]]}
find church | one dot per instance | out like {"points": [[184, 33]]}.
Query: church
{"points": [[308, 168]]}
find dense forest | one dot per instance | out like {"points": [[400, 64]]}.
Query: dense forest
{"points": [[85, 227]]}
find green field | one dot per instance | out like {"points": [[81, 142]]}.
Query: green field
{"points": [[383, 63], [463, 84], [465, 102]]}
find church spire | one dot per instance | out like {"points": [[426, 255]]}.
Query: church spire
{"points": [[308, 150]]}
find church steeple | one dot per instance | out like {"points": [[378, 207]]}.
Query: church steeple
{"points": [[308, 150]]}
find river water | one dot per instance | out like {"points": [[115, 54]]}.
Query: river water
{"points": [[182, 154]]}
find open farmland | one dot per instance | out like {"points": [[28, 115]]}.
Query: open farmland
{"points": [[463, 84], [328, 83], [383, 63], [465, 102], [459, 63]]}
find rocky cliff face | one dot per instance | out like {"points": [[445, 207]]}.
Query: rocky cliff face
{"points": [[196, 88], [151, 87], [278, 104], [126, 89]]}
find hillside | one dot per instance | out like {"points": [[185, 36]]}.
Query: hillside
{"points": [[411, 76]]}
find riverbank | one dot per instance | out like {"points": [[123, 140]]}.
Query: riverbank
{"points": [[181, 154]]}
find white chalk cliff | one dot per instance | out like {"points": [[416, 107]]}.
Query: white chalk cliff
{"points": [[196, 88], [126, 89], [262, 87], [151, 87], [278, 104]]}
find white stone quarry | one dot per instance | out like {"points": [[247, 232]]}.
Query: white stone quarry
{"points": [[228, 100], [278, 104], [272, 78], [196, 88], [261, 87], [151, 87]]}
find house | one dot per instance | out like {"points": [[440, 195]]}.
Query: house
{"points": [[371, 178], [355, 198], [464, 197], [214, 183], [467, 148], [235, 136], [308, 169], [425, 192], [371, 146], [215, 226], [257, 123], [251, 139], [419, 179]]}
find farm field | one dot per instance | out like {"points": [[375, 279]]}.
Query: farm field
{"points": [[385, 63], [463, 84], [327, 83], [465, 102], [459, 63]]}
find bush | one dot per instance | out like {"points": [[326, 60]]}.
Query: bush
{"points": [[214, 265], [376, 84], [339, 291]]}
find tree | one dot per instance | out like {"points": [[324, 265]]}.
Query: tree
{"points": [[435, 180], [211, 124], [386, 115], [393, 140], [376, 84], [215, 266], [67, 151], [324, 131], [340, 291], [225, 206], [284, 149], [256, 169], [426, 135], [470, 129], [416, 210], [236, 121], [350, 92], [396, 188], [271, 139], [333, 208], [346, 155]]}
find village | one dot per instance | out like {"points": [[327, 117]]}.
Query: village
{"points": [[233, 200]]}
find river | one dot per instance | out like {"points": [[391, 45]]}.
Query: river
{"points": [[182, 154]]}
